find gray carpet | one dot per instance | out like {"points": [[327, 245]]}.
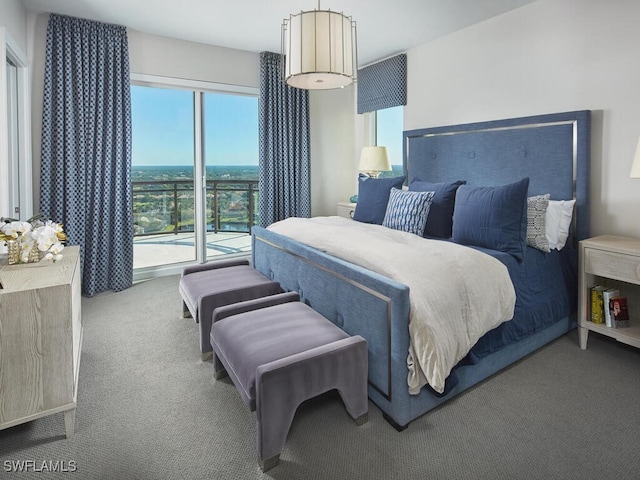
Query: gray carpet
{"points": [[148, 408]]}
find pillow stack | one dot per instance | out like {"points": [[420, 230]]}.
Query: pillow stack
{"points": [[501, 217], [548, 222], [383, 201]]}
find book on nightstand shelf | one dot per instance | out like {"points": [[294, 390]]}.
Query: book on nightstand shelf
{"points": [[607, 295], [597, 303], [619, 312]]}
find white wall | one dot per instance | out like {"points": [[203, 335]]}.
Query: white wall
{"points": [[546, 57], [163, 56], [13, 17], [333, 149]]}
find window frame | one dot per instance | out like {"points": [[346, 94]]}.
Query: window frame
{"points": [[9, 51]]}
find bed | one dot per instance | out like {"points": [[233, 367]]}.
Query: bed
{"points": [[552, 152]]}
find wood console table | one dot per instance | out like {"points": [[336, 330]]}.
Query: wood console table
{"points": [[40, 339]]}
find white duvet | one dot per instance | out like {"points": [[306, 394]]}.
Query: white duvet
{"points": [[457, 294]]}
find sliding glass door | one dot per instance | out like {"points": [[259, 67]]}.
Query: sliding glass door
{"points": [[231, 160], [162, 174], [194, 173]]}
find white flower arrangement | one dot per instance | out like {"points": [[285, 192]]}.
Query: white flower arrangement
{"points": [[35, 234]]}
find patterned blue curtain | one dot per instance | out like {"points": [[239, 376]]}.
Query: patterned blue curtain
{"points": [[284, 146], [85, 179]]}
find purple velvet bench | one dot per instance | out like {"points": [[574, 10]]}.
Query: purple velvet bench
{"points": [[205, 287], [279, 352]]}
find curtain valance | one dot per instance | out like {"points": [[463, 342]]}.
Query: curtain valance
{"points": [[383, 84]]}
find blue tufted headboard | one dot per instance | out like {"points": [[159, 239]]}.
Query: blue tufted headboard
{"points": [[552, 150]]}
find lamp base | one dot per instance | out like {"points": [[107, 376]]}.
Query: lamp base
{"points": [[373, 174]]}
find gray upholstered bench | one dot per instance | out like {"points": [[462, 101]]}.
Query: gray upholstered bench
{"points": [[279, 352], [205, 287]]}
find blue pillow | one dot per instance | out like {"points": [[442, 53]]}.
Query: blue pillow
{"points": [[492, 217], [440, 218], [407, 211], [373, 196]]}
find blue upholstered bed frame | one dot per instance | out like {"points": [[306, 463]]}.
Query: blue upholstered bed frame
{"points": [[552, 150]]}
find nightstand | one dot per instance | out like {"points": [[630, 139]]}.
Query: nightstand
{"points": [[614, 262], [346, 209]]}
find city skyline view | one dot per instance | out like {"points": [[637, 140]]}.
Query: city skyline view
{"points": [[140, 173]]}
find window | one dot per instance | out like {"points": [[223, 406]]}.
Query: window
{"points": [[194, 170], [389, 126]]}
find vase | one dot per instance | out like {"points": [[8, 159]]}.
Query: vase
{"points": [[13, 252], [34, 255]]}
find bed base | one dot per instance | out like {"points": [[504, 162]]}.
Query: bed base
{"points": [[365, 303]]}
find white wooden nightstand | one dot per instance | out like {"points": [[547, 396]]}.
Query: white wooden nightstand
{"points": [[614, 262], [346, 209]]}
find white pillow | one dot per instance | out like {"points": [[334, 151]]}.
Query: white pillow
{"points": [[557, 222]]}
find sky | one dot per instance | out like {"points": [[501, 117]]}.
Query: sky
{"points": [[163, 125], [390, 121]]}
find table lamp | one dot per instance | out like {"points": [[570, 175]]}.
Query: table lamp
{"points": [[374, 160]]}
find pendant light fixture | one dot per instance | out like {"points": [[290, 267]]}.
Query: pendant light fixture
{"points": [[319, 49]]}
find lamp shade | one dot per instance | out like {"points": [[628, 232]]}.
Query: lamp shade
{"points": [[635, 166], [319, 49], [374, 159]]}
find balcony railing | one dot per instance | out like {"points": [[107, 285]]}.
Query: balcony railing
{"points": [[161, 206]]}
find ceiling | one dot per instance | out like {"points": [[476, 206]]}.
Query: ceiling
{"points": [[385, 27]]}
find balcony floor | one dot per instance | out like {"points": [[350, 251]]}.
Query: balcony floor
{"points": [[166, 249]]}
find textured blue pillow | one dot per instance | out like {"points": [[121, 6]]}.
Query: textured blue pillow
{"points": [[440, 218], [407, 211], [492, 217], [373, 196]]}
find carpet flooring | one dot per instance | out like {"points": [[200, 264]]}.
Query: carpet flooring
{"points": [[148, 408]]}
